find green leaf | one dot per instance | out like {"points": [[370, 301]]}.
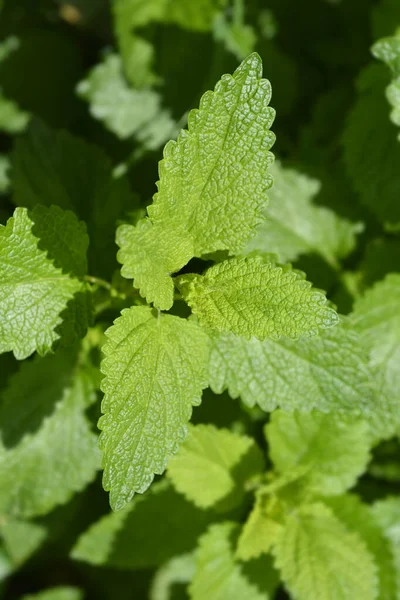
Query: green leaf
{"points": [[155, 369], [125, 111], [150, 530], [179, 570], [328, 372], [294, 225], [47, 450], [51, 167], [376, 318], [320, 560], [21, 539], [236, 36], [260, 532], [334, 450], [212, 184], [57, 593], [203, 469], [388, 51], [42, 296], [219, 576], [359, 518], [4, 173], [252, 298], [371, 148]]}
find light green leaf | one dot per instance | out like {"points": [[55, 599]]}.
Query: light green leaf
{"points": [[219, 576], [155, 369], [126, 111], [57, 593], [293, 225], [48, 450], [387, 515], [212, 184], [359, 518], [333, 449], [328, 372], [150, 530], [371, 147], [388, 51], [376, 318], [51, 167], [320, 560], [42, 296], [179, 570], [203, 469], [252, 298], [260, 532]]}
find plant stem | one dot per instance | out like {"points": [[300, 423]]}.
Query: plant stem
{"points": [[98, 281]]}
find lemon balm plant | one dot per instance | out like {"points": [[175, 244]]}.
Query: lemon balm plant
{"points": [[205, 312]]}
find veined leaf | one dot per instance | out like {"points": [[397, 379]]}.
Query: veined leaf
{"points": [[320, 560], [203, 468], [293, 225], [212, 184], [155, 369], [48, 450], [252, 298], [42, 295], [328, 372], [335, 450]]}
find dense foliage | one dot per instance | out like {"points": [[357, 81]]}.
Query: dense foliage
{"points": [[184, 413]]}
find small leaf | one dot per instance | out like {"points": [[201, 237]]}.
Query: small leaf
{"points": [[260, 532], [253, 298], [155, 369]]}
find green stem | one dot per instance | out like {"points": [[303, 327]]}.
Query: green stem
{"points": [[98, 281]]}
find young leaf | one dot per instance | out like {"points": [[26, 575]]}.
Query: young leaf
{"points": [[51, 167], [219, 576], [203, 468], [359, 518], [150, 530], [320, 560], [328, 372], [42, 296], [155, 369], [57, 593], [47, 448], [388, 50], [252, 298], [376, 318], [260, 532], [293, 225], [336, 451], [212, 184]]}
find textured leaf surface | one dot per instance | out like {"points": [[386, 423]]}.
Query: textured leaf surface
{"points": [[320, 560], [57, 168], [328, 372], [125, 111], [202, 469], [47, 448], [57, 593], [42, 254], [260, 532], [388, 50], [212, 184], [218, 575], [149, 531], [334, 451], [155, 369], [253, 298], [359, 518], [371, 147], [293, 225], [376, 318]]}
